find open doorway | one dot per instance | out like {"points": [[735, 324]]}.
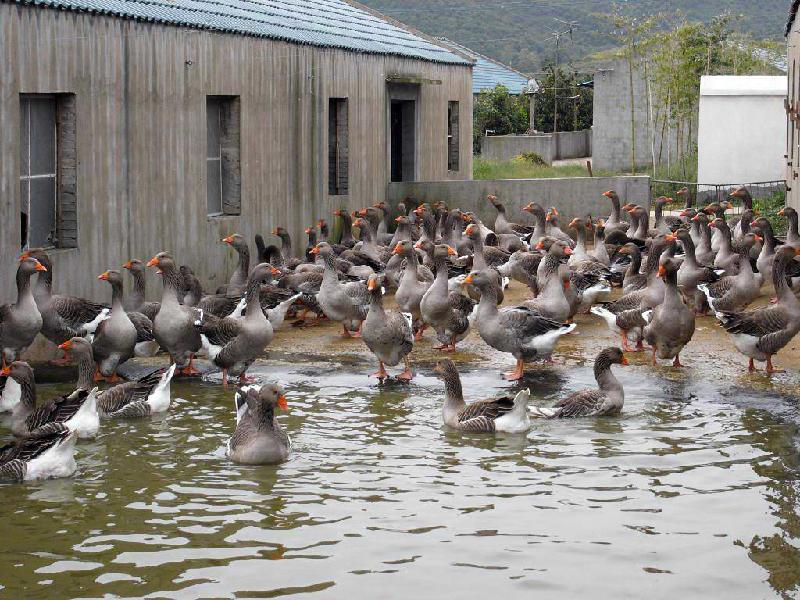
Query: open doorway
{"points": [[403, 131]]}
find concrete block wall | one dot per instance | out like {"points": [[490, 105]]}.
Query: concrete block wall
{"points": [[572, 196], [550, 146]]}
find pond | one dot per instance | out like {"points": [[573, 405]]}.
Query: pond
{"points": [[691, 491]]}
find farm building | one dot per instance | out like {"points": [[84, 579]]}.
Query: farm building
{"points": [[792, 107], [139, 126], [752, 107]]}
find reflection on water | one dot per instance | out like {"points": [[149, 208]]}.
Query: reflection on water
{"points": [[692, 489]]}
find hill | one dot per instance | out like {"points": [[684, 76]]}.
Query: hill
{"points": [[519, 32]]}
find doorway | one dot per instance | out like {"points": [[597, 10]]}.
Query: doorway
{"points": [[403, 142]]}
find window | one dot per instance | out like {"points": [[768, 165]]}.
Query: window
{"points": [[338, 160], [48, 215], [452, 136], [223, 179]]}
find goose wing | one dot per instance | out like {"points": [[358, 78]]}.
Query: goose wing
{"points": [[220, 331], [57, 410], [579, 404]]}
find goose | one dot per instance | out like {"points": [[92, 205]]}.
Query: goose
{"points": [[445, 311], [579, 252], [504, 414], [734, 292], [233, 344], [717, 211], [502, 224], [671, 323], [135, 301], [743, 194], [634, 279], [607, 399], [624, 315], [239, 277], [49, 456], [726, 258], [402, 232], [599, 252], [517, 330], [766, 257], [552, 278], [411, 288], [76, 412], [664, 224], [704, 252], [289, 259], [345, 303], [132, 399], [11, 393], [554, 230], [692, 274], [522, 266], [173, 326], [387, 335], [259, 438], [380, 255], [760, 333], [192, 289], [347, 228], [540, 226], [116, 337], [694, 225], [485, 257], [614, 221], [21, 321], [62, 316], [792, 235]]}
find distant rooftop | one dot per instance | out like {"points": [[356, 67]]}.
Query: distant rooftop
{"points": [[743, 85], [323, 23], [488, 73]]}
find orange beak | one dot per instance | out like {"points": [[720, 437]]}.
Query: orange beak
{"points": [[66, 345], [275, 271], [153, 262], [670, 237], [128, 265], [398, 249], [712, 224], [574, 223], [568, 251], [337, 213], [468, 278], [227, 240], [275, 231], [308, 230], [797, 251], [759, 238], [372, 284], [362, 212], [539, 245], [282, 404], [661, 271], [607, 194], [548, 218], [781, 213], [451, 252], [418, 245], [6, 371], [398, 219], [469, 229], [314, 250], [624, 361], [40, 266], [103, 276], [696, 218]]}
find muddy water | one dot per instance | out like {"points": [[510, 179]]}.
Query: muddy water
{"points": [[691, 492]]}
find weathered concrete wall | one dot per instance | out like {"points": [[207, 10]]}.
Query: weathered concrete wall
{"points": [[564, 144], [140, 92], [612, 122], [573, 197], [792, 155]]}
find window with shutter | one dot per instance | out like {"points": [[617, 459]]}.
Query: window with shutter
{"points": [[452, 136], [223, 143], [338, 147], [48, 177]]}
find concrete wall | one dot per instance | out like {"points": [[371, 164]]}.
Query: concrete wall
{"points": [[140, 94], [564, 144], [612, 122], [741, 138], [573, 197]]}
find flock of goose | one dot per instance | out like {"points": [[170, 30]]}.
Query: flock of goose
{"points": [[448, 271]]}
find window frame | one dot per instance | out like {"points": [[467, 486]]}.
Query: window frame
{"points": [[338, 146], [227, 161], [453, 136]]}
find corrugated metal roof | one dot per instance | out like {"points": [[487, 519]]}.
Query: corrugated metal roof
{"points": [[488, 73], [325, 23]]}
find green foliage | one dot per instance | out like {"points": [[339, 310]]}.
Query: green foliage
{"points": [[574, 102], [530, 158], [500, 112], [491, 169], [769, 206]]}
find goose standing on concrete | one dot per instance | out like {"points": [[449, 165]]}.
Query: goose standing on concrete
{"points": [[388, 336], [505, 414], [345, 303], [671, 323], [259, 438]]}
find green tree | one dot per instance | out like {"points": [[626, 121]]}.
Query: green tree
{"points": [[574, 101], [500, 112]]}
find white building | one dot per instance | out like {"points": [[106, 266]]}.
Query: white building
{"points": [[742, 129]]}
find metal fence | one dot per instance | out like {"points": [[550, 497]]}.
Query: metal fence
{"points": [[768, 196]]}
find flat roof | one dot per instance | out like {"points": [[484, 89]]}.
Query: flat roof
{"points": [[743, 85]]}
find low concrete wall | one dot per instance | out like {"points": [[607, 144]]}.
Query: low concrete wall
{"points": [[573, 196], [550, 146]]}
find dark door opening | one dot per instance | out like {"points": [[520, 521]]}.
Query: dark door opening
{"points": [[403, 151]]}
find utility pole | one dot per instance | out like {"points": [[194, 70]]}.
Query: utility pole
{"points": [[570, 27]]}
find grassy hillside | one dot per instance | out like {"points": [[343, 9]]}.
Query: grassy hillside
{"points": [[517, 31]]}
